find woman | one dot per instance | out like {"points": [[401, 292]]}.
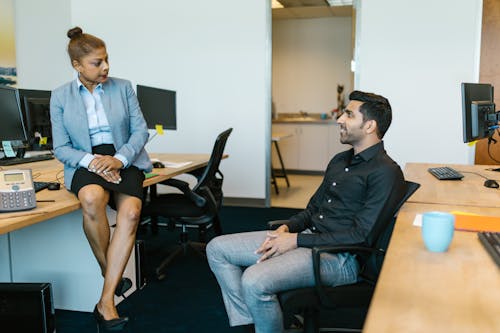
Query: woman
{"points": [[99, 134]]}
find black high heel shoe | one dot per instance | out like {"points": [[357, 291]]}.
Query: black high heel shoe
{"points": [[112, 325], [123, 285]]}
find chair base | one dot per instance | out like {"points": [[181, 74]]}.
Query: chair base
{"points": [[179, 250]]}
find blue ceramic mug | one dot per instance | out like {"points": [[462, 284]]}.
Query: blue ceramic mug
{"points": [[437, 230]]}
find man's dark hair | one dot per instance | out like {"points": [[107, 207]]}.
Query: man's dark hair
{"points": [[374, 107]]}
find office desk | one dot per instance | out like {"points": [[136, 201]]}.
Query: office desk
{"points": [[48, 244], [66, 202], [469, 191], [420, 291]]}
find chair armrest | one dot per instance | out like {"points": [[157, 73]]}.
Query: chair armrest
{"points": [[177, 183], [209, 198], [316, 256], [184, 188], [273, 225]]}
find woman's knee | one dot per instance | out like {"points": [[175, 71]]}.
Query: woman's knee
{"points": [[93, 200], [129, 218], [133, 214]]}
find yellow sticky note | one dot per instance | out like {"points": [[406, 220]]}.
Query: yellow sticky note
{"points": [[472, 143], [159, 129], [43, 140]]}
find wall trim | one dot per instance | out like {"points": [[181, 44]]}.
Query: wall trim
{"points": [[245, 202]]}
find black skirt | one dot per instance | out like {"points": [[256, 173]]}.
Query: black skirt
{"points": [[131, 184]]}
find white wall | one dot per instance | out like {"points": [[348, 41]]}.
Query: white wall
{"points": [[216, 55], [417, 54], [40, 29], [310, 57]]}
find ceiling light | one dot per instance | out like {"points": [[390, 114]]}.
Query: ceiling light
{"points": [[333, 3], [276, 4]]}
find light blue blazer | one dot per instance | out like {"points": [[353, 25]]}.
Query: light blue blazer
{"points": [[70, 131]]}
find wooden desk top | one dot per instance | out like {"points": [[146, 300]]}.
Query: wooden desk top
{"points": [[420, 291], [469, 191], [66, 202]]}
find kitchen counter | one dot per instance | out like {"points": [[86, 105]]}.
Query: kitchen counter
{"points": [[299, 118], [304, 120]]}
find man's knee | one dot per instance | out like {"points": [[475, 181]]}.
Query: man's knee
{"points": [[253, 281], [214, 249]]}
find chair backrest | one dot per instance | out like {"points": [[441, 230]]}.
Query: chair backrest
{"points": [[211, 177], [373, 263]]}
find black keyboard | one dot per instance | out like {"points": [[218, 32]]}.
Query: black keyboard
{"points": [[491, 242], [445, 173], [16, 160], [38, 186]]}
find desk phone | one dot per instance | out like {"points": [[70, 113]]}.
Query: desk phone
{"points": [[16, 190]]}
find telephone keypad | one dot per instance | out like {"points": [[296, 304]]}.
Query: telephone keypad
{"points": [[18, 200]]}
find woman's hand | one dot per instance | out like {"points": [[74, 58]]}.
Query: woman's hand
{"points": [[107, 167], [112, 176]]}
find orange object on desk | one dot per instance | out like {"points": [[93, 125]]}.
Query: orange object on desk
{"points": [[469, 222]]}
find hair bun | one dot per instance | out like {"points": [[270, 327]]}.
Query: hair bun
{"points": [[74, 32]]}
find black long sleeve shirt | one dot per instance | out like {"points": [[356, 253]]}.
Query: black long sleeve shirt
{"points": [[356, 192]]}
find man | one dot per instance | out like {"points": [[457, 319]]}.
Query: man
{"points": [[361, 186]]}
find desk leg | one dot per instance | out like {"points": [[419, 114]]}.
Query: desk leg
{"points": [[283, 170]]}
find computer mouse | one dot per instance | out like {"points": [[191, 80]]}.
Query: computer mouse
{"points": [[54, 186], [491, 183], [158, 165]]}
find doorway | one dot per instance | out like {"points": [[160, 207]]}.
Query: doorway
{"points": [[312, 49]]}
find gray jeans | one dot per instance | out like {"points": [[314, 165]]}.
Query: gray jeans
{"points": [[250, 294]]}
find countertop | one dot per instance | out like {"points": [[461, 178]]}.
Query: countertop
{"points": [[297, 118]]}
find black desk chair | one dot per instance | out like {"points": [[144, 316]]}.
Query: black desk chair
{"points": [[340, 306], [197, 207]]}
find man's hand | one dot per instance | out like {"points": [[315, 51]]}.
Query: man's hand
{"points": [[277, 242]]}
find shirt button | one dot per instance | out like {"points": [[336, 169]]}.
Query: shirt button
{"points": [[321, 216], [346, 169], [334, 184], [329, 200]]}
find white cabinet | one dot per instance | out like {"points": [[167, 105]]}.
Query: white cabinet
{"points": [[313, 147], [288, 143], [309, 147]]}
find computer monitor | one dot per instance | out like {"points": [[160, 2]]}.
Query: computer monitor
{"points": [[38, 126], [12, 126], [35, 105], [478, 111], [158, 106], [31, 93]]}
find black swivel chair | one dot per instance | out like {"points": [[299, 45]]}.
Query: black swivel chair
{"points": [[322, 305], [197, 207]]}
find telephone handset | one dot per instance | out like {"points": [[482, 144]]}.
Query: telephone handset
{"points": [[16, 190]]}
